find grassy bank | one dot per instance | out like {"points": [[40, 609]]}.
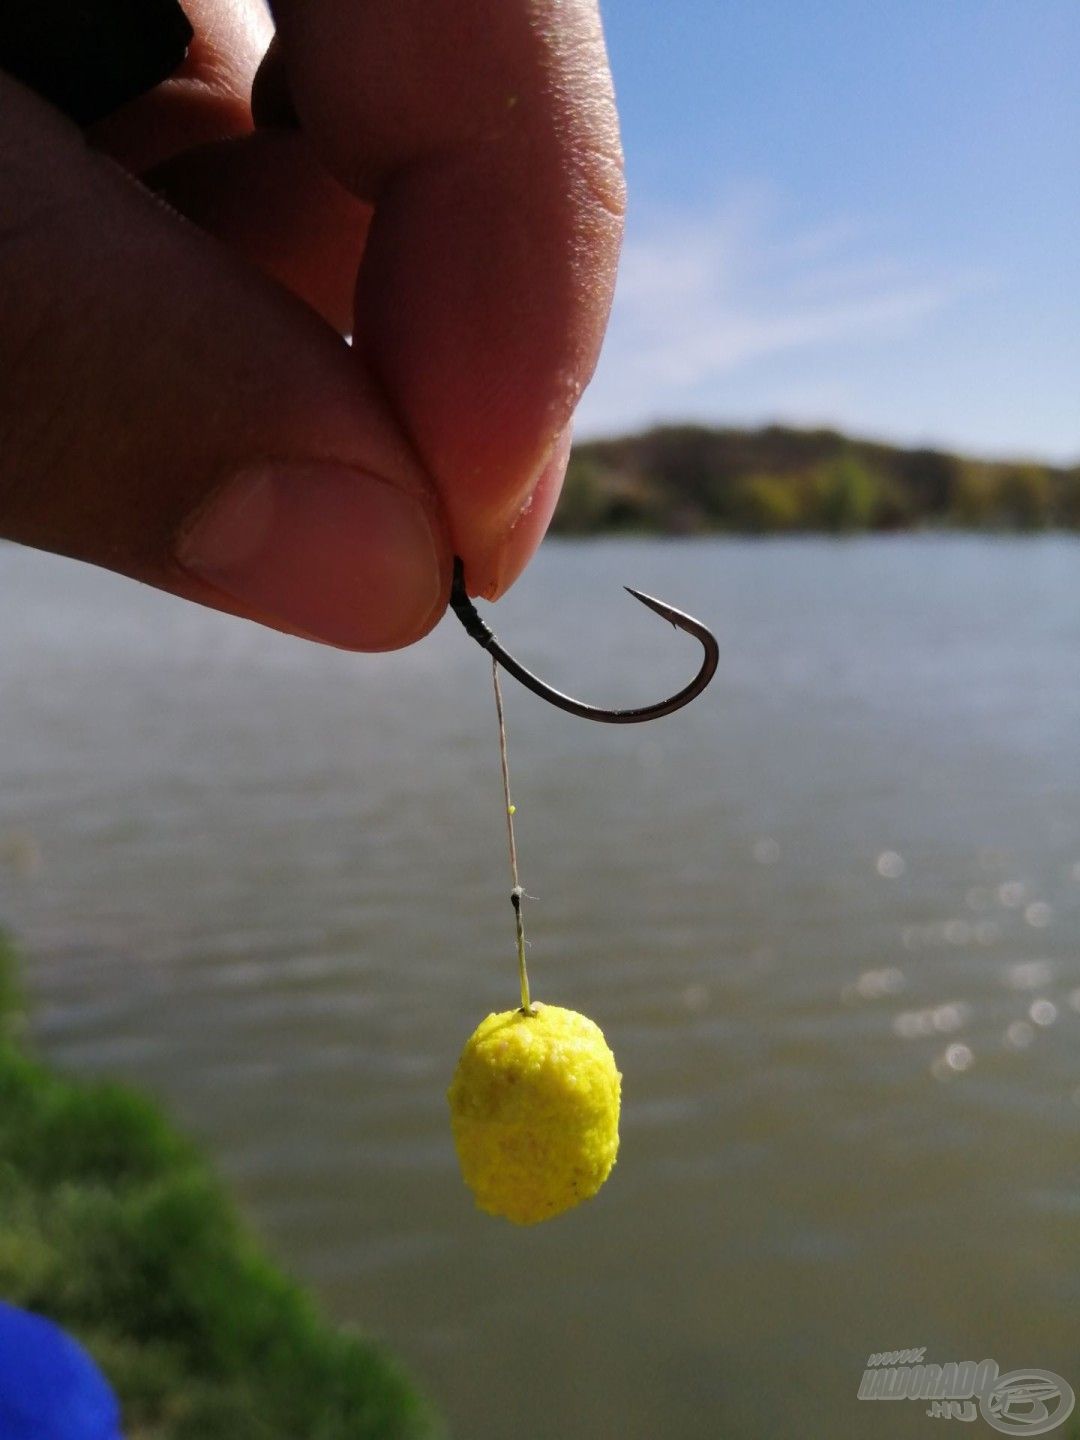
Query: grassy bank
{"points": [[112, 1224]]}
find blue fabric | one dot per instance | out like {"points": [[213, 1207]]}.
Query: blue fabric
{"points": [[50, 1389]]}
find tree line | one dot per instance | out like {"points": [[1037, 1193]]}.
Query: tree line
{"points": [[691, 479]]}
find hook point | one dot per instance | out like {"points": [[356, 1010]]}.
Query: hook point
{"points": [[667, 612]]}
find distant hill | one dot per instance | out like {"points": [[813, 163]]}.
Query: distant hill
{"points": [[689, 479]]}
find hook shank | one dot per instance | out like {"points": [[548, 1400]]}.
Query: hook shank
{"points": [[466, 612]]}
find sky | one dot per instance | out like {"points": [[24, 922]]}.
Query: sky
{"points": [[849, 213]]}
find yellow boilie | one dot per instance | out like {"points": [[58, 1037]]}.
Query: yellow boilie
{"points": [[534, 1105]]}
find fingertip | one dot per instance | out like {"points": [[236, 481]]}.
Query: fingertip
{"points": [[489, 266], [322, 550], [495, 572]]}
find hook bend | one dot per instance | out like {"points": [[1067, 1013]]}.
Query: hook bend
{"points": [[466, 612]]}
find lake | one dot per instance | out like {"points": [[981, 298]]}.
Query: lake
{"points": [[827, 918]]}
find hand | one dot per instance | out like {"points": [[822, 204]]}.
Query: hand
{"points": [[441, 177]]}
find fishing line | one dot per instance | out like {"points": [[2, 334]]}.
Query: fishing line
{"points": [[517, 893]]}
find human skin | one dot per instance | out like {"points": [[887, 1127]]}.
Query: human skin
{"points": [[440, 178]]}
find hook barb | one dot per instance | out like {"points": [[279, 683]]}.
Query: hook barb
{"points": [[466, 612]]}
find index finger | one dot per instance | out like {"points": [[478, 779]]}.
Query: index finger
{"points": [[485, 133]]}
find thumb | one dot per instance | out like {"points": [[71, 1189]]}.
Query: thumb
{"points": [[173, 415]]}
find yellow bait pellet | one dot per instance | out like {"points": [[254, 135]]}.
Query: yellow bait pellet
{"points": [[512, 810], [534, 1106]]}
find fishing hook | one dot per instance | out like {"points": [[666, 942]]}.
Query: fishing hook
{"points": [[464, 609]]}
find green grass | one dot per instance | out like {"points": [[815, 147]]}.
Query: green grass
{"points": [[112, 1225]]}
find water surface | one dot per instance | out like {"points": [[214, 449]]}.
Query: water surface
{"points": [[827, 918]]}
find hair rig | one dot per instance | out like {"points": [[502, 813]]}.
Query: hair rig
{"points": [[466, 612]]}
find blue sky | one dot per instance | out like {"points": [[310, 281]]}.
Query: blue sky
{"points": [[863, 214]]}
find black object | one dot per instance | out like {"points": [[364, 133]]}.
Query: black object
{"points": [[89, 57], [464, 609]]}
